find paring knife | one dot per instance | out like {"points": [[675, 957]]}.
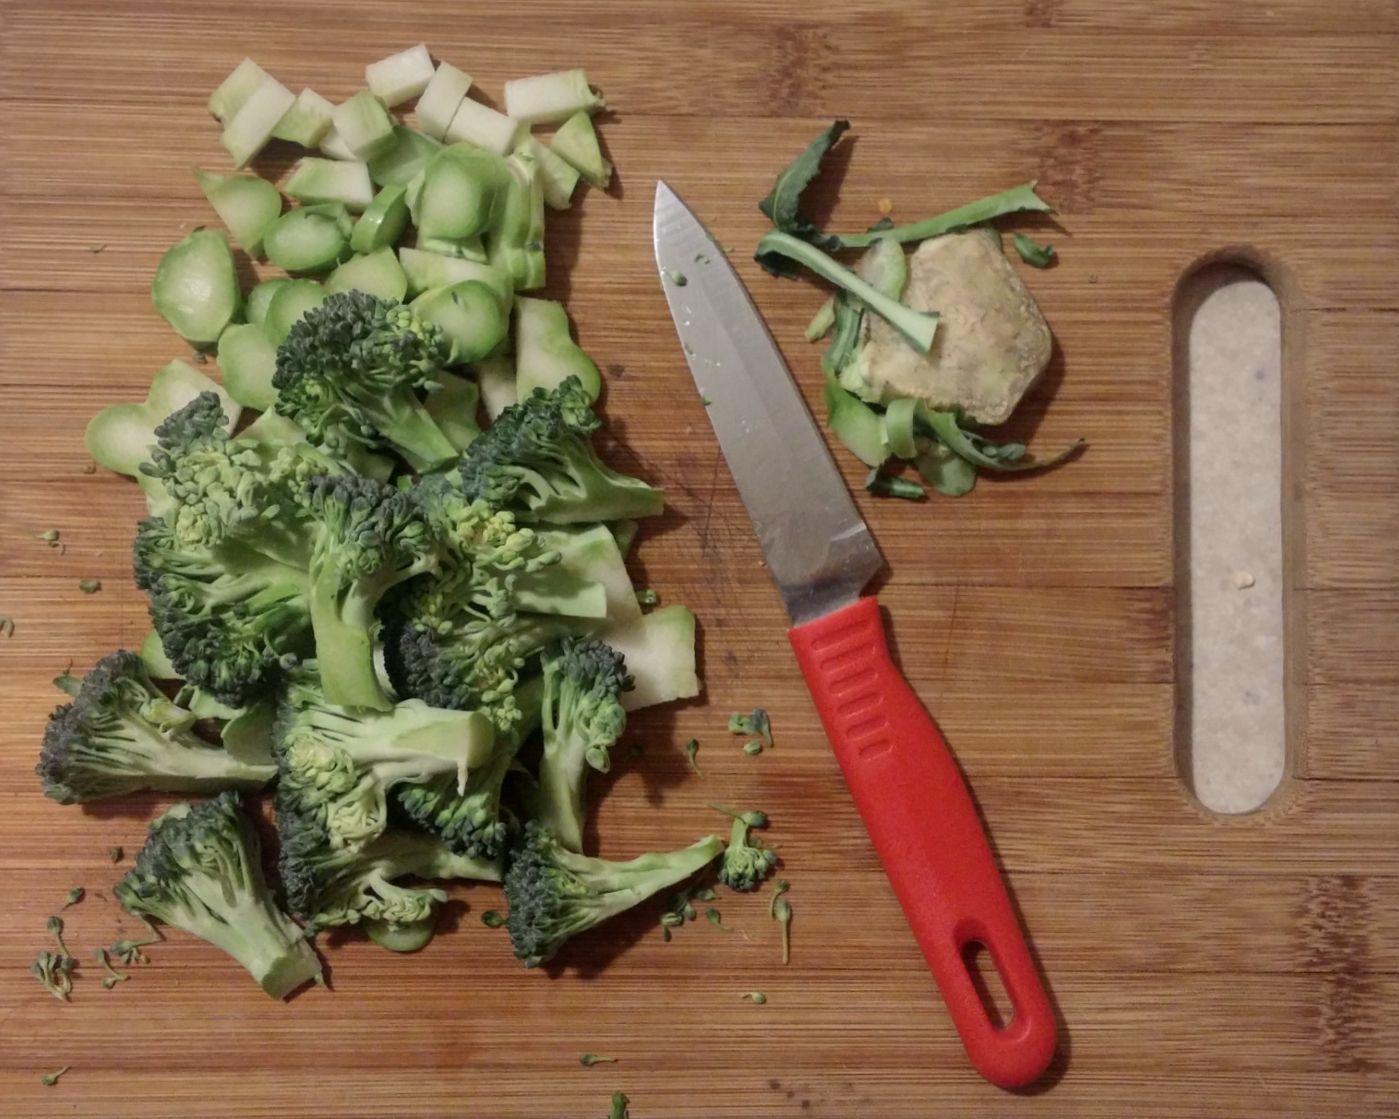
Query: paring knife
{"points": [[904, 780]]}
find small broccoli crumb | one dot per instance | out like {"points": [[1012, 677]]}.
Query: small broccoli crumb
{"points": [[635, 750], [89, 586], [755, 723], [692, 752], [50, 537], [677, 278], [115, 853], [619, 1106], [49, 1079], [588, 1060], [712, 914], [55, 972], [7, 625], [671, 920], [647, 598], [492, 920], [753, 748], [1033, 254], [56, 930], [883, 485], [113, 976], [757, 998], [75, 895], [89, 468], [705, 400], [705, 894]]}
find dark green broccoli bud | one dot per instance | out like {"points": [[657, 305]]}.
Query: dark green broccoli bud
{"points": [[555, 893], [757, 723], [368, 538], [229, 618], [121, 734], [349, 371], [338, 765], [582, 718], [537, 460], [747, 862], [327, 883], [200, 871]]}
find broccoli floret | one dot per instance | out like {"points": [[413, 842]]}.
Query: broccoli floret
{"points": [[555, 893], [327, 884], [472, 823], [121, 734], [349, 371], [582, 718], [338, 765], [229, 618], [200, 871], [368, 538], [537, 460], [746, 863]]}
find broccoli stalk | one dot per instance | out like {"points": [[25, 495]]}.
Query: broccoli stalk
{"points": [[349, 372], [537, 460], [200, 872], [121, 734], [582, 718], [555, 893]]}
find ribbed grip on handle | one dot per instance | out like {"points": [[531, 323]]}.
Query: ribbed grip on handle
{"points": [[925, 827]]}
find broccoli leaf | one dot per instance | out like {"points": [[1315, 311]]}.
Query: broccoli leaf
{"points": [[783, 203]]}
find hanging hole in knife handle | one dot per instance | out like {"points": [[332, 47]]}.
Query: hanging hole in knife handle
{"points": [[986, 978], [1238, 422]]}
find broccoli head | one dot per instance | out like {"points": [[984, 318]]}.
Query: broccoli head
{"points": [[229, 618], [121, 734], [747, 862], [367, 538], [582, 718], [555, 893], [200, 871], [328, 884], [537, 460], [349, 371], [338, 764]]}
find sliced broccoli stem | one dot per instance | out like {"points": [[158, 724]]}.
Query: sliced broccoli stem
{"points": [[1016, 200], [344, 646], [917, 326], [406, 422]]}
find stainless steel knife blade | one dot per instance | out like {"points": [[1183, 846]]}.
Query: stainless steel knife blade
{"points": [[817, 546]]}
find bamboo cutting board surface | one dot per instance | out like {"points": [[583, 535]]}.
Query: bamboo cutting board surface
{"points": [[1202, 967]]}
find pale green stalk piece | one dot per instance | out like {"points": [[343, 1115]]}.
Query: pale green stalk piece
{"points": [[246, 204], [89, 586], [307, 121], [400, 77], [246, 133], [196, 287], [545, 352], [757, 998], [576, 141], [551, 98], [235, 89], [441, 99], [363, 125], [588, 1060]]}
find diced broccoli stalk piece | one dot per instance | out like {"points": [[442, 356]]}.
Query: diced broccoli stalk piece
{"points": [[383, 221], [307, 121], [462, 194], [246, 204], [196, 287], [469, 315], [260, 297], [496, 377], [576, 141], [331, 180], [400, 77], [589, 557], [246, 133], [516, 244], [409, 153], [945, 470], [377, 273], [333, 144], [201, 871], [885, 267], [235, 89], [154, 658], [898, 428], [555, 893], [309, 239], [659, 648], [441, 100], [558, 177], [537, 460], [120, 437], [453, 409], [465, 248], [821, 322], [247, 361], [364, 125], [121, 735], [475, 123], [247, 736], [349, 371], [545, 352], [551, 98], [582, 718], [288, 304], [855, 424], [426, 270]]}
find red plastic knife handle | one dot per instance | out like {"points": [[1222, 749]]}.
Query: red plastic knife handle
{"points": [[924, 826]]}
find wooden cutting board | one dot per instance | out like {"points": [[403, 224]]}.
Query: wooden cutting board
{"points": [[1202, 966]]}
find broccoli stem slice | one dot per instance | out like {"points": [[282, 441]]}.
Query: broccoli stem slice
{"points": [[344, 645], [917, 326], [406, 422]]}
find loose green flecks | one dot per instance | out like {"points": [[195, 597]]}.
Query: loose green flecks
{"points": [[491, 919], [75, 895], [588, 1060], [115, 853], [692, 752], [89, 586], [7, 625], [49, 1079], [677, 278], [757, 998]]}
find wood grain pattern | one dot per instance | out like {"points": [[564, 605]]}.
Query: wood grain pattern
{"points": [[1203, 966]]}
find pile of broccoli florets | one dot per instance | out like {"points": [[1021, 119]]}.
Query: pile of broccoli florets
{"points": [[390, 649]]}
